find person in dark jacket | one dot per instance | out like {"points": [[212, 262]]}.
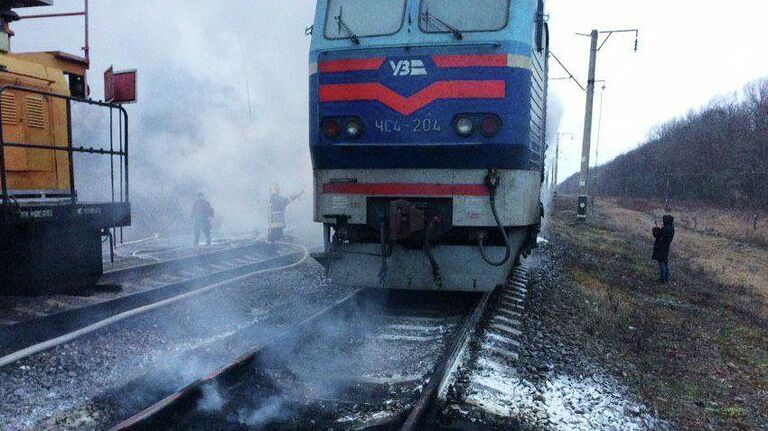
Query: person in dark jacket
{"points": [[202, 213], [663, 240], [277, 206]]}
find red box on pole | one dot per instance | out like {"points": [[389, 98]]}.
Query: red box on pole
{"points": [[120, 87]]}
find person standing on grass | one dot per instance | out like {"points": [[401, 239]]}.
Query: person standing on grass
{"points": [[663, 239]]}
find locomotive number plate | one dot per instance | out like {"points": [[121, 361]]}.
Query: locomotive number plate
{"points": [[417, 125]]}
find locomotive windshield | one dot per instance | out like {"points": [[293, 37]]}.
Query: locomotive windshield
{"points": [[445, 16], [350, 19]]}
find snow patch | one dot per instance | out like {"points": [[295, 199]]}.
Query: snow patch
{"points": [[566, 403]]}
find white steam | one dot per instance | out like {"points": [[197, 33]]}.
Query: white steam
{"points": [[192, 129], [212, 400], [555, 110], [272, 410]]}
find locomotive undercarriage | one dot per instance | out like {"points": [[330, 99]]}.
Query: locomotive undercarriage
{"points": [[407, 221], [416, 229], [413, 244]]}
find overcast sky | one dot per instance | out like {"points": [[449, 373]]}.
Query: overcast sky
{"points": [[194, 77], [690, 52]]}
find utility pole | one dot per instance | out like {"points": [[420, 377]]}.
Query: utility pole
{"points": [[581, 211]]}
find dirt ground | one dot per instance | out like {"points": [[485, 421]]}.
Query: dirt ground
{"points": [[695, 349]]}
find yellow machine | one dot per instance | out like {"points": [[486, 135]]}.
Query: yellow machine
{"points": [[37, 119], [50, 240]]}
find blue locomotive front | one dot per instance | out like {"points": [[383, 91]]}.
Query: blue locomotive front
{"points": [[427, 124]]}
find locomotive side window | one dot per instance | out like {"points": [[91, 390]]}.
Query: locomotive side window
{"points": [[444, 16], [350, 19]]}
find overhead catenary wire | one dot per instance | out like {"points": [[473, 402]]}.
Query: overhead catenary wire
{"points": [[599, 127], [245, 76], [570, 75], [54, 342]]}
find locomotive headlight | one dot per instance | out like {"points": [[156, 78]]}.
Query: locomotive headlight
{"points": [[331, 128], [464, 126], [354, 128]]}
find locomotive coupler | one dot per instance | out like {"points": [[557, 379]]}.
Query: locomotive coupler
{"points": [[340, 232], [405, 219]]}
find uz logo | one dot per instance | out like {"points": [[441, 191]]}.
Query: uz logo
{"points": [[408, 68]]}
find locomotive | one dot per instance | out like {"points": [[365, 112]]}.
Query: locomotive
{"points": [[427, 136], [50, 239]]}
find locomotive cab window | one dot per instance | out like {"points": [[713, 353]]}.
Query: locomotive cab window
{"points": [[445, 16], [350, 19], [77, 85]]}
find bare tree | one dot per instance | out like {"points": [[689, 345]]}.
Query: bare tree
{"points": [[718, 154]]}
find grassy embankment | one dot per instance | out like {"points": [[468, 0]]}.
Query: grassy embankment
{"points": [[696, 349]]}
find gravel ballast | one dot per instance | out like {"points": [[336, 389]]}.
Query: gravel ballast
{"points": [[553, 384], [57, 389]]}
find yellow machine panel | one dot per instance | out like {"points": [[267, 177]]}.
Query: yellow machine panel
{"points": [[33, 119]]}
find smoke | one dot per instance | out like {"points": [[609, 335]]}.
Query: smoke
{"points": [[222, 109], [555, 111], [323, 363], [212, 399], [371, 358], [320, 362], [200, 135], [272, 410]]}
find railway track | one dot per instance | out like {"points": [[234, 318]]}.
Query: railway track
{"points": [[375, 360], [156, 249], [31, 325], [488, 363]]}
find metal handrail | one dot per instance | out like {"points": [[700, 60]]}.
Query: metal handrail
{"points": [[70, 148]]}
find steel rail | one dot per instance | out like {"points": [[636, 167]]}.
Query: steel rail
{"points": [[421, 409], [22, 334], [174, 407], [180, 291], [181, 261]]}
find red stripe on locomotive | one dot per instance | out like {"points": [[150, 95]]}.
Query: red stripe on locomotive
{"points": [[446, 61], [409, 105], [406, 189], [351, 65]]}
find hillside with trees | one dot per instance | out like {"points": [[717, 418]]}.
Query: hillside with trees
{"points": [[717, 155]]}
